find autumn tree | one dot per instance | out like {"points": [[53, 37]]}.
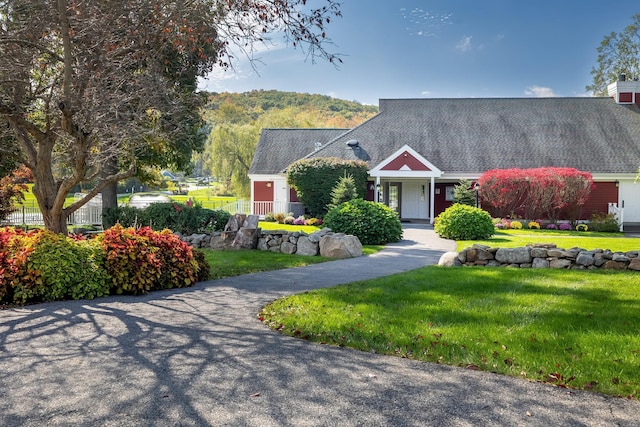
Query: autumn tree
{"points": [[93, 91], [618, 53]]}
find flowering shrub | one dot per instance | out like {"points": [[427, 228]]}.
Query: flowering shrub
{"points": [[269, 217], [499, 226], [516, 225], [279, 217], [582, 227], [552, 227], [313, 221], [299, 221], [564, 226], [533, 225], [289, 220]]}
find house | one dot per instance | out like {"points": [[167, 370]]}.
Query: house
{"points": [[418, 149]]}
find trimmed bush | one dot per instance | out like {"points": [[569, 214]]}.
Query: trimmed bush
{"points": [[373, 223], [604, 222], [463, 222], [177, 217]]}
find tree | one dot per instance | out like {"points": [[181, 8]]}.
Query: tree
{"points": [[12, 187], [344, 191], [617, 54], [464, 194], [94, 91]]}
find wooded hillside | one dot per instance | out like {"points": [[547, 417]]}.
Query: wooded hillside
{"points": [[235, 119]]}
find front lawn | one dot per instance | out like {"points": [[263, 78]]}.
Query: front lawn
{"points": [[563, 239], [564, 327]]}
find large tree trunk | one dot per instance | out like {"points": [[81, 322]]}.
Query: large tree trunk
{"points": [[110, 192], [55, 221]]}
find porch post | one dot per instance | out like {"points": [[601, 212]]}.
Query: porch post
{"points": [[432, 192]]}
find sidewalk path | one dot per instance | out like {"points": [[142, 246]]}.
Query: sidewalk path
{"points": [[200, 357]]}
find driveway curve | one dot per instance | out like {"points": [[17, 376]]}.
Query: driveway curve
{"points": [[200, 357]]}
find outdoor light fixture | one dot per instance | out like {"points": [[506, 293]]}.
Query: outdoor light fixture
{"points": [[617, 183], [477, 188]]}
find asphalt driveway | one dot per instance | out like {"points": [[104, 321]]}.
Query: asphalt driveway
{"points": [[200, 357]]}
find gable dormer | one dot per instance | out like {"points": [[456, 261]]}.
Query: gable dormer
{"points": [[625, 91]]}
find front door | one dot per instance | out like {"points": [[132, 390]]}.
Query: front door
{"points": [[395, 196]]}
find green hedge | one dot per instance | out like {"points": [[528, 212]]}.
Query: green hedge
{"points": [[174, 216], [315, 179], [463, 222]]}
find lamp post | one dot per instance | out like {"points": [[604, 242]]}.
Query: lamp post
{"points": [[476, 187], [378, 193]]}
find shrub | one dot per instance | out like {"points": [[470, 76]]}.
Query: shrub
{"points": [[552, 227], [178, 267], [314, 179], [177, 217], [564, 226], [299, 221], [132, 263], [516, 225], [289, 220], [464, 193], [204, 269], [69, 268], [269, 217], [373, 223], [463, 222], [499, 226], [604, 222], [312, 221], [344, 191], [533, 225], [279, 217], [582, 227]]}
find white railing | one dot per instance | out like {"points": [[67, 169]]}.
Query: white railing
{"points": [[239, 206], [26, 215], [618, 213], [263, 208]]}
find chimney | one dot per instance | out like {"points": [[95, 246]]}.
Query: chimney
{"points": [[625, 92]]}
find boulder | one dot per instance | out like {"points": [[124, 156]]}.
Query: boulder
{"points": [[513, 255], [251, 221], [634, 264], [585, 258], [246, 238], [538, 252], [449, 259], [235, 222], [340, 246], [288, 248], [559, 263], [222, 240], [306, 247], [620, 257], [614, 265], [540, 263]]}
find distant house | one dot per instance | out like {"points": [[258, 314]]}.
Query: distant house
{"points": [[418, 149]]}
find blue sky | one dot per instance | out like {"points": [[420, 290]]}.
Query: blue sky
{"points": [[443, 49]]}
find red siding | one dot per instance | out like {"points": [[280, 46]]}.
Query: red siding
{"points": [[601, 195], [440, 202], [638, 99], [263, 191], [405, 159]]}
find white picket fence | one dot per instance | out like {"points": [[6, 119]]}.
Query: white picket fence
{"points": [[29, 215]]}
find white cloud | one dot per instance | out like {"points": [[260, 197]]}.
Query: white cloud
{"points": [[464, 45], [425, 93], [540, 92]]}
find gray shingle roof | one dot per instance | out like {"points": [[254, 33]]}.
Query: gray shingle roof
{"points": [[278, 148], [475, 135]]}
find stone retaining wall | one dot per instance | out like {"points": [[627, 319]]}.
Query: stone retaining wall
{"points": [[542, 256], [323, 242]]}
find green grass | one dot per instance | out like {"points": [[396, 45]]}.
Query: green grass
{"points": [[229, 263], [265, 225], [563, 239], [568, 328]]}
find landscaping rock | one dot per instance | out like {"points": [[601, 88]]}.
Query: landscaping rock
{"points": [[246, 238], [560, 263], [306, 247], [634, 264], [513, 255], [449, 259], [540, 263], [235, 222], [340, 246], [614, 265], [585, 258], [288, 248], [619, 257], [538, 252]]}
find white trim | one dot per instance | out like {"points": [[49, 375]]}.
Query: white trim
{"points": [[433, 172]]}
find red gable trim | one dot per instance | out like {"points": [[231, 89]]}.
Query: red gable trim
{"points": [[408, 160]]}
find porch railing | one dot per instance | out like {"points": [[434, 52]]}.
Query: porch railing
{"points": [[618, 213]]}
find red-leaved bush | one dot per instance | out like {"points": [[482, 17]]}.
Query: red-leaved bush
{"points": [[533, 193]]}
